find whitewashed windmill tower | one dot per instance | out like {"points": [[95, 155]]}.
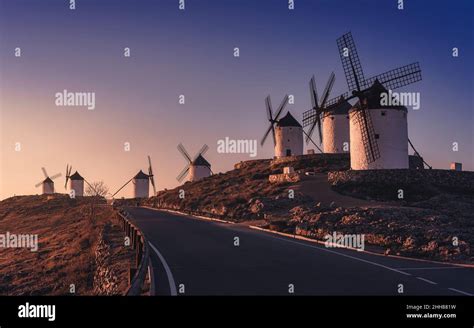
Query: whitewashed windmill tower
{"points": [[197, 168], [47, 185], [287, 132], [141, 182], [140, 185], [76, 183], [332, 115], [378, 134], [335, 121]]}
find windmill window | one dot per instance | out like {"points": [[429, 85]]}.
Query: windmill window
{"points": [[384, 113], [377, 136], [332, 118]]}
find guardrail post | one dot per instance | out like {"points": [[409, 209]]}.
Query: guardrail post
{"points": [[134, 238]]}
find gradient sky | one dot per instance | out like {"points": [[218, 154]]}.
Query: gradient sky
{"points": [[191, 53]]}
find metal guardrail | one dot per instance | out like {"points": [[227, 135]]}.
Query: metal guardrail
{"points": [[139, 243]]}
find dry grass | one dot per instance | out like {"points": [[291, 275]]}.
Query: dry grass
{"points": [[67, 236]]}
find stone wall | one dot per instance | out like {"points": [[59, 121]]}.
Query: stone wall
{"points": [[285, 177]]}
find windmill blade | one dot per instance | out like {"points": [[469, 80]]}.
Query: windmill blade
{"points": [[203, 150], [151, 176], [183, 173], [38, 184], [93, 189], [309, 138], [283, 104], [152, 180], [67, 176], [44, 172], [126, 183], [350, 62], [184, 153], [328, 89], [316, 122], [309, 117], [57, 175], [313, 92], [364, 121], [270, 129], [398, 77], [150, 169], [335, 100], [268, 105], [310, 132]]}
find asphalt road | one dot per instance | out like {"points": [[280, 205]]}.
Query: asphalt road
{"points": [[197, 257]]}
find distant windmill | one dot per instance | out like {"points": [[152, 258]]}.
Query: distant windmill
{"points": [[287, 132], [141, 183], [378, 134], [76, 182], [47, 183], [196, 168], [334, 119]]}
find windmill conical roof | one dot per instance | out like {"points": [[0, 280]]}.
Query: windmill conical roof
{"points": [[373, 96], [341, 107], [141, 175], [48, 180], [76, 176], [288, 120], [201, 161]]}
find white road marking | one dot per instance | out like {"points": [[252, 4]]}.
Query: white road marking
{"points": [[345, 255], [426, 280], [366, 261], [460, 291], [432, 268], [167, 269]]}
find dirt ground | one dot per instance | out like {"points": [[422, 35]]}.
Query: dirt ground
{"points": [[66, 259]]}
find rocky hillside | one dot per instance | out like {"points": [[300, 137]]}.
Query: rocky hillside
{"points": [[241, 194], [437, 225], [76, 250]]}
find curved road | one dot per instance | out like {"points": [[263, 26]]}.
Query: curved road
{"points": [[192, 256]]}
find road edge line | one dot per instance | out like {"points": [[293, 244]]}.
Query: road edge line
{"points": [[169, 275]]}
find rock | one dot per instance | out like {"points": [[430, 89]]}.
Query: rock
{"points": [[256, 207]]}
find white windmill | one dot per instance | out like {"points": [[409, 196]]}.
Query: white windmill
{"points": [[197, 168], [141, 183], [47, 184], [287, 132], [76, 183], [378, 134], [333, 116]]}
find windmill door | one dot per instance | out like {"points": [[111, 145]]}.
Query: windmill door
{"points": [[288, 152]]}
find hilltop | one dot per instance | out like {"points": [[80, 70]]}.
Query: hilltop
{"points": [[434, 220], [74, 247]]}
